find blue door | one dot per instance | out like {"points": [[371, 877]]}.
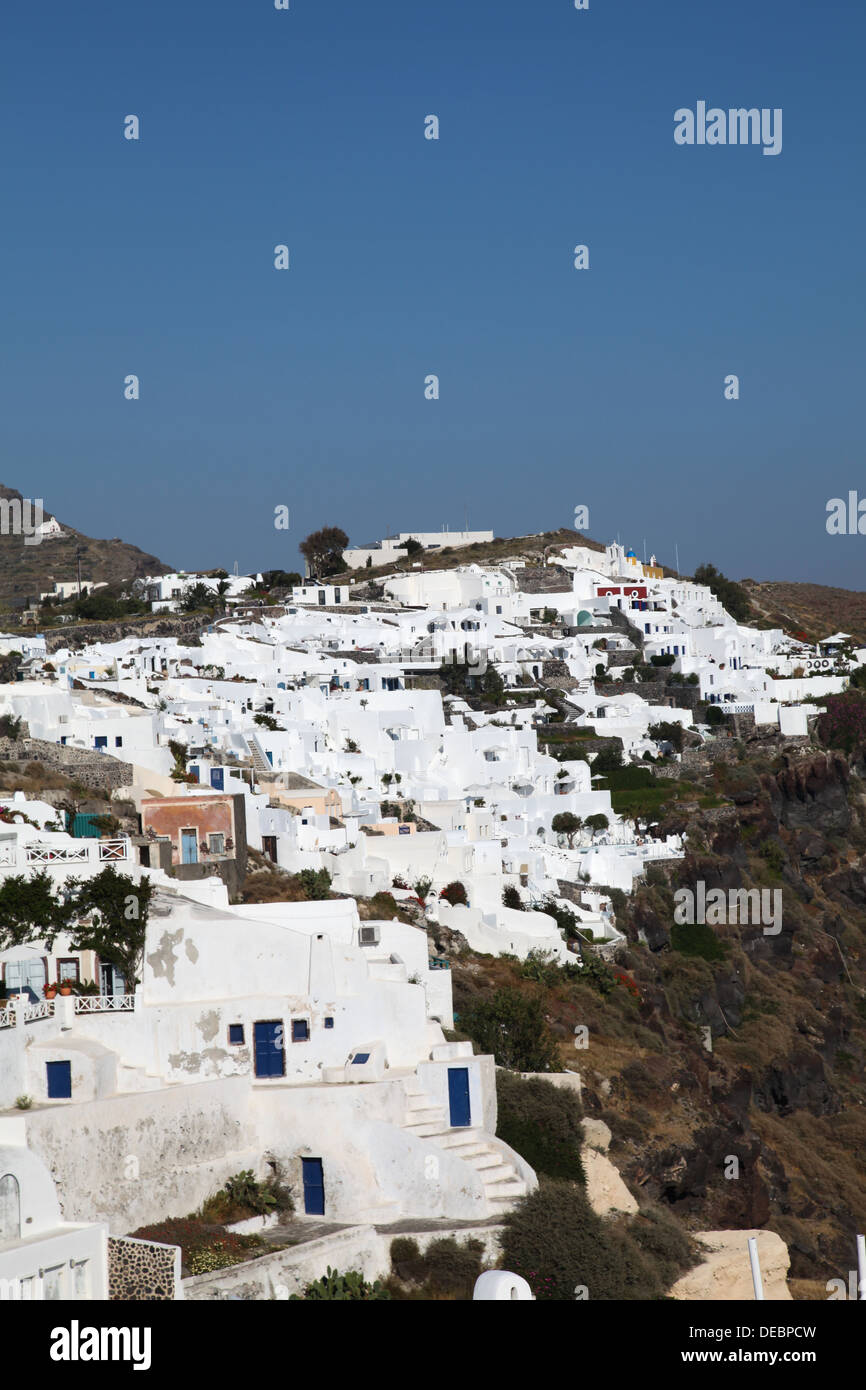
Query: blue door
{"points": [[314, 1187], [217, 780], [269, 1048], [458, 1097], [189, 846], [59, 1080]]}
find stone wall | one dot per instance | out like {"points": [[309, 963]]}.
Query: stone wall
{"points": [[77, 635], [654, 692], [92, 769], [141, 1270]]}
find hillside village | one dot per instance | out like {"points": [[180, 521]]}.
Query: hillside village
{"points": [[304, 812]]}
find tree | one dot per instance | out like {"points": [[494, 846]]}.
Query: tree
{"points": [[565, 823], [412, 547], [511, 897], [597, 822], [197, 596], [607, 759], [30, 911], [668, 732], [731, 596], [117, 908], [323, 550], [280, 579]]}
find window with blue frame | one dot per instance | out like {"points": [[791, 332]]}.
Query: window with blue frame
{"points": [[360, 1058], [236, 1034], [300, 1030], [59, 1077], [118, 741], [329, 1023], [101, 741]]}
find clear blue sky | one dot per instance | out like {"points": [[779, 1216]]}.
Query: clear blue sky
{"points": [[409, 257]]}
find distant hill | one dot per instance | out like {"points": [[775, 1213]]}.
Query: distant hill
{"points": [[811, 610], [28, 570]]}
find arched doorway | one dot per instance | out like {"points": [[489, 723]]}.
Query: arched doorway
{"points": [[10, 1208]]}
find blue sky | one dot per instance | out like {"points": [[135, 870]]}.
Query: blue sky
{"points": [[558, 387]]}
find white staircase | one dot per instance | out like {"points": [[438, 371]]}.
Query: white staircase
{"points": [[429, 1121], [260, 762]]}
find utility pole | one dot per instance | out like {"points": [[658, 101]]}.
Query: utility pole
{"points": [[78, 559]]}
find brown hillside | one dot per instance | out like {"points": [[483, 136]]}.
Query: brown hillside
{"points": [[27, 570], [816, 610]]}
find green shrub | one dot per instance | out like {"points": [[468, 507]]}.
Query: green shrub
{"points": [[405, 1256], [773, 852], [316, 883], [452, 1268], [542, 1123], [698, 940], [446, 1268], [558, 1244], [512, 1026]]}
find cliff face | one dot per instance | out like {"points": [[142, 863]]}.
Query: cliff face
{"points": [[769, 1127], [27, 570]]}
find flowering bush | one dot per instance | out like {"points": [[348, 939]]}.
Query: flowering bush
{"points": [[454, 893], [623, 978]]}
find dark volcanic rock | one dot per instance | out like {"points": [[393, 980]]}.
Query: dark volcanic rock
{"points": [[813, 794], [796, 1083]]}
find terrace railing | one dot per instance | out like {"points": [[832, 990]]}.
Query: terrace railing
{"points": [[104, 1003], [34, 1012]]}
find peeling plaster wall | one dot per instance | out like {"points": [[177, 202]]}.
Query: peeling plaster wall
{"points": [[138, 1158]]}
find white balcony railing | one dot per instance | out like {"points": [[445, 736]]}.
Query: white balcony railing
{"points": [[113, 849], [34, 1012], [53, 854], [7, 1018], [16, 855], [104, 1003]]}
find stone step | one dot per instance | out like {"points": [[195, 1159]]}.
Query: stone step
{"points": [[513, 1188], [483, 1160], [424, 1129], [456, 1138]]}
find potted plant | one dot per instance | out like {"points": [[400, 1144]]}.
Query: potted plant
{"points": [[65, 987], [50, 991]]}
